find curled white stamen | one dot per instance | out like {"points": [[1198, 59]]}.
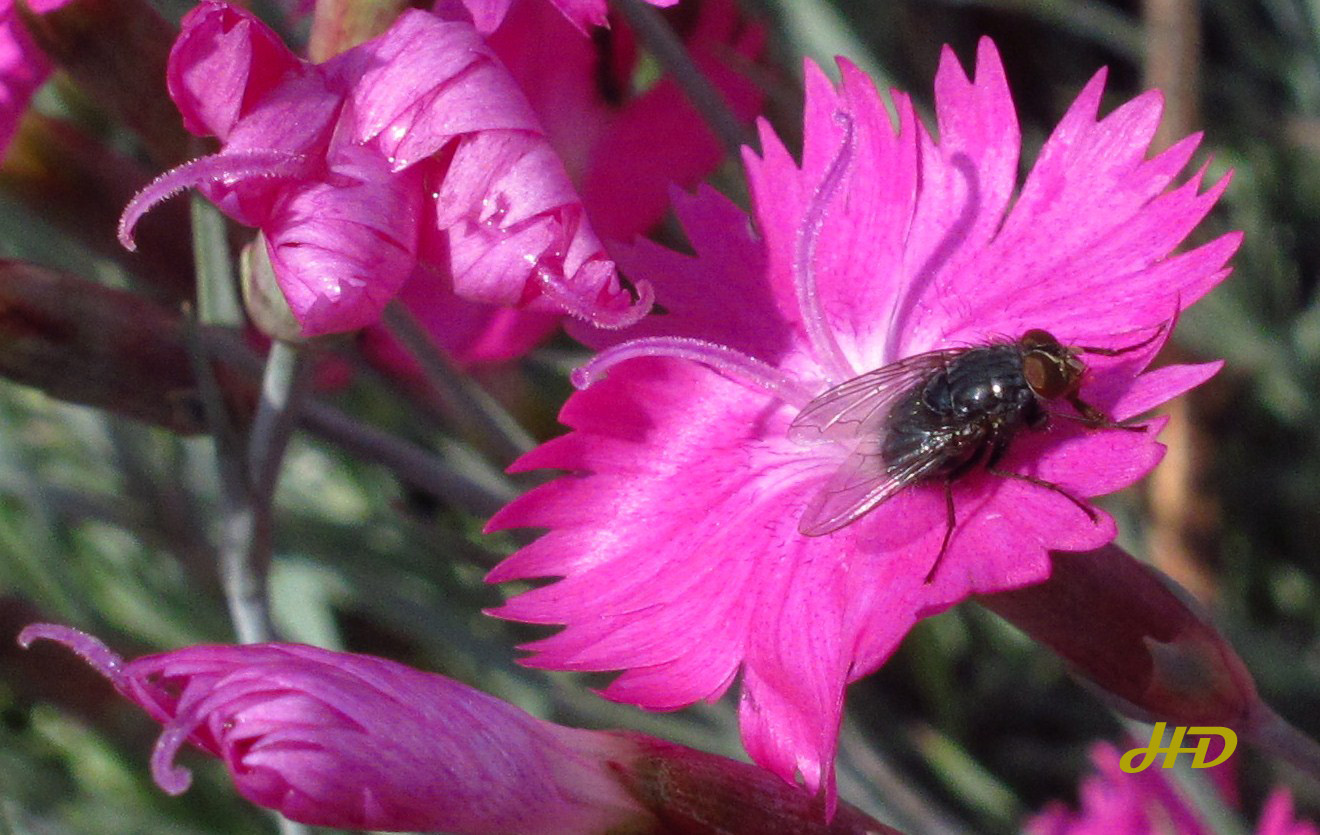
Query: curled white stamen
{"points": [[221, 167], [102, 658], [804, 271], [573, 302], [728, 361]]}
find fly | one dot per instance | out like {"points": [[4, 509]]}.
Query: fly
{"points": [[939, 415]]}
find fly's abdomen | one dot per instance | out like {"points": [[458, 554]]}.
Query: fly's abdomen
{"points": [[916, 433]]}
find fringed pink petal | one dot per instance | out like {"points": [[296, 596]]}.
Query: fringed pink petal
{"points": [[967, 177], [819, 331], [721, 296], [857, 259]]}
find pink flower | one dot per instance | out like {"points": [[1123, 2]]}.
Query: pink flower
{"points": [[1278, 817], [334, 739], [413, 147], [23, 67], [1114, 802], [579, 88], [677, 535]]}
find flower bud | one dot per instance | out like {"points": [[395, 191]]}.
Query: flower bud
{"points": [[1121, 625]]}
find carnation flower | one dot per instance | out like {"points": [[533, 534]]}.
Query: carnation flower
{"points": [[415, 147], [580, 89], [676, 537], [1115, 802], [336, 739]]}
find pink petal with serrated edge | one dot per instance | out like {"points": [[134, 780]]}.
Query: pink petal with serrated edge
{"points": [[861, 246], [967, 179], [721, 296]]}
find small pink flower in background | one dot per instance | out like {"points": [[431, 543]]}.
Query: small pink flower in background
{"points": [[676, 536], [23, 67], [413, 147], [1114, 802], [627, 149], [488, 15], [335, 739]]}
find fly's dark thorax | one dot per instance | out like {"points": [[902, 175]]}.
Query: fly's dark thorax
{"points": [[983, 382], [979, 399]]}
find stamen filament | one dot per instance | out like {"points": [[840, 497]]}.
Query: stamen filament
{"points": [[209, 169], [804, 270], [93, 651], [728, 361], [575, 305]]}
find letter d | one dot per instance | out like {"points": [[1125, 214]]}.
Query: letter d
{"points": [[1230, 745]]}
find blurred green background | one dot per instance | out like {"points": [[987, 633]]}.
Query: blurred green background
{"points": [[105, 523]]}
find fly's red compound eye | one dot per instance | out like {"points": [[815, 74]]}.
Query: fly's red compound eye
{"points": [[1046, 374], [1037, 338]]}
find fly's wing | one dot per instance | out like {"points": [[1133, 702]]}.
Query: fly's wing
{"points": [[862, 482], [857, 408], [856, 412]]}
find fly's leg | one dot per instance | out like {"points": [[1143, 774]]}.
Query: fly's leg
{"points": [[1093, 417], [989, 448], [1127, 349], [1049, 485], [1090, 415], [950, 522]]}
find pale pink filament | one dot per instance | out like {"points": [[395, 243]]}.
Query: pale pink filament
{"points": [[552, 284], [804, 271], [217, 168], [728, 361], [98, 655]]}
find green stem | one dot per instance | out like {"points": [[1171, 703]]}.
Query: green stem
{"points": [[243, 549], [283, 387], [462, 400], [218, 302], [410, 462]]}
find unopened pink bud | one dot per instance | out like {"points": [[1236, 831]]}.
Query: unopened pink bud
{"points": [[1119, 623]]}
